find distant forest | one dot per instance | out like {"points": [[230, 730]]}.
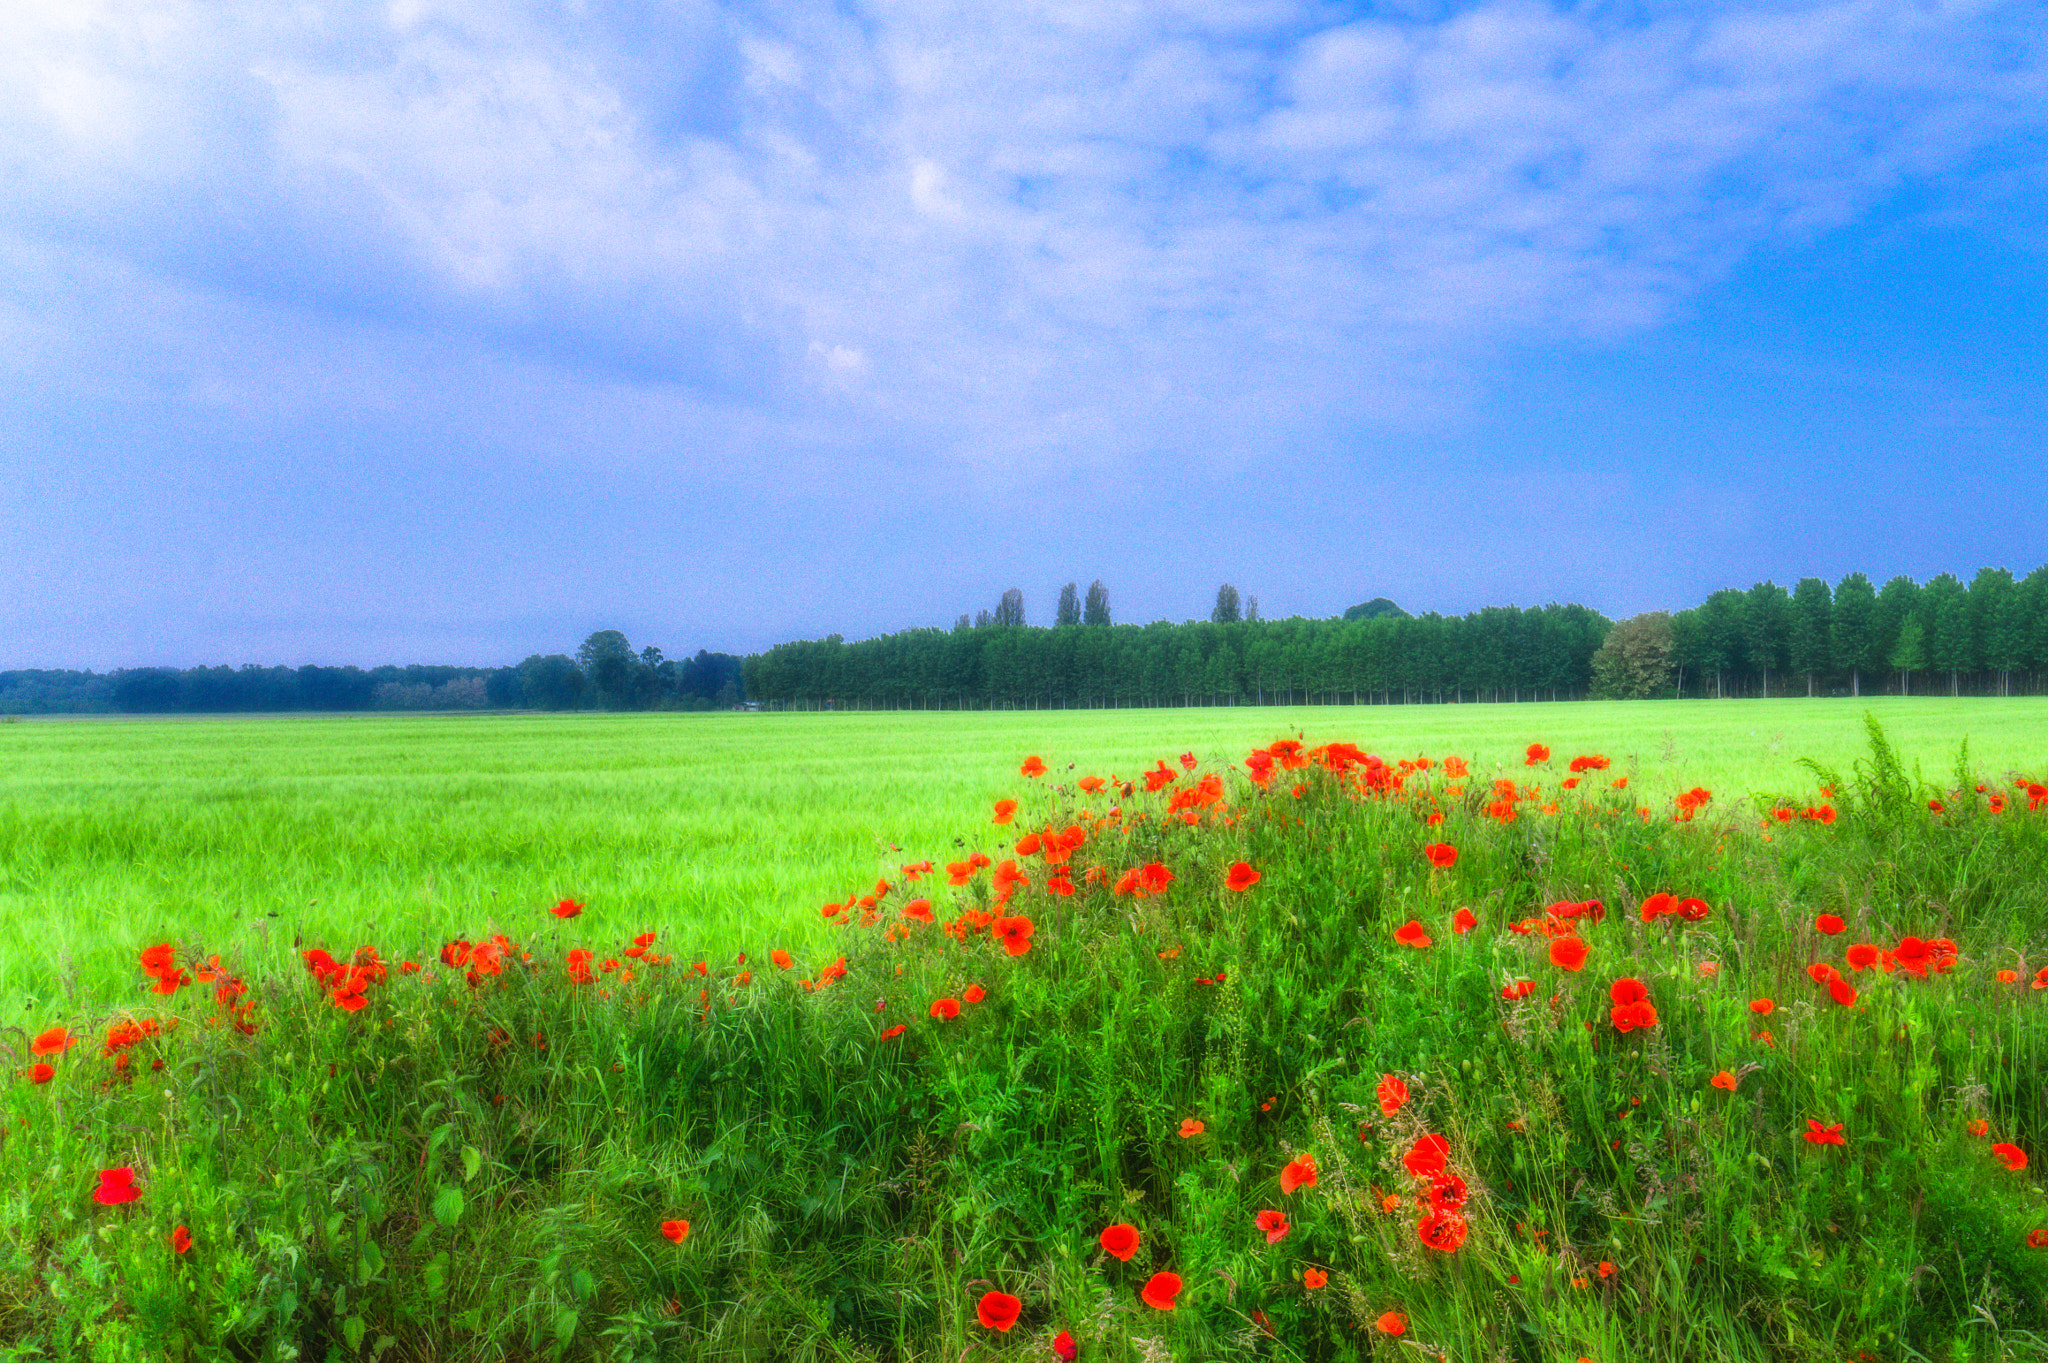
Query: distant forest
{"points": [[605, 674], [1987, 637]]}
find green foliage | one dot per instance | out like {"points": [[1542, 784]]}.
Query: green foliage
{"points": [[479, 1168], [1635, 661]]}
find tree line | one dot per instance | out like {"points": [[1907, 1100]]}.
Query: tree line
{"points": [[1987, 638], [1234, 657], [605, 674]]}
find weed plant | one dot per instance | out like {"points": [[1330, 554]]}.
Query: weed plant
{"points": [[1232, 1010]]}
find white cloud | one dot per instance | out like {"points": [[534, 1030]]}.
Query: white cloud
{"points": [[1106, 227]]}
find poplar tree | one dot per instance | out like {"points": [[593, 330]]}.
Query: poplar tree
{"points": [[1995, 634], [1068, 612], [1767, 629], [1897, 601], [1909, 652], [1946, 604], [1854, 631], [1095, 611], [1228, 610], [1812, 613]]}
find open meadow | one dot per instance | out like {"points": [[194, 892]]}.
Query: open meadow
{"points": [[1598, 1033], [726, 831]]}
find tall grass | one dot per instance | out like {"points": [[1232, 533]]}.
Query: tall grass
{"points": [[481, 1170]]}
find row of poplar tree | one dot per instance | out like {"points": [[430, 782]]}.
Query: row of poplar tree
{"points": [[1987, 637]]}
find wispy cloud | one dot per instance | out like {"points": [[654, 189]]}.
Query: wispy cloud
{"points": [[912, 230]]}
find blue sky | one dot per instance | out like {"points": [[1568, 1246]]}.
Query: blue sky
{"points": [[451, 332]]}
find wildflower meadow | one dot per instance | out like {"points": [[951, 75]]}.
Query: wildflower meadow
{"points": [[1303, 1051]]}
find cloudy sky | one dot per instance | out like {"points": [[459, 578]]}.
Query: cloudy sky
{"points": [[453, 330]]}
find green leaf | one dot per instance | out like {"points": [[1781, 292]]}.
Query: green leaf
{"points": [[352, 1331], [472, 1161], [448, 1205], [565, 1326]]}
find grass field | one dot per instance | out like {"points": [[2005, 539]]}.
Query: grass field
{"points": [[723, 831], [1398, 1062]]}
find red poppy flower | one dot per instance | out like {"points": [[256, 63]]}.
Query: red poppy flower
{"points": [[1411, 934], [998, 1310], [1841, 991], [1658, 905], [1392, 1323], [1762, 1007], [1274, 1224], [41, 1073], [1816, 1134], [1005, 810], [116, 1186], [1520, 989], [1914, 954], [2008, 977], [1190, 1128], [568, 908], [975, 993], [1442, 1230], [1120, 1241], [1314, 1278], [1693, 910], [1978, 1127], [181, 1240], [1862, 956], [1092, 784], [1822, 972], [55, 1041], [1014, 933], [1427, 1156], [675, 1230], [2011, 1156], [1723, 1080], [1463, 921], [945, 1010], [1033, 766], [781, 958], [919, 909], [1063, 1345], [1299, 1173], [893, 1032], [1160, 1292], [1829, 924], [1392, 1093], [1626, 991], [1537, 753], [1630, 1016], [1568, 953], [1441, 854], [1242, 877]]}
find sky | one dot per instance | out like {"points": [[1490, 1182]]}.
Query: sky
{"points": [[452, 331]]}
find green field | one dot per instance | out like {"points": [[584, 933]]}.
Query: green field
{"points": [[1571, 1077], [724, 831]]}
